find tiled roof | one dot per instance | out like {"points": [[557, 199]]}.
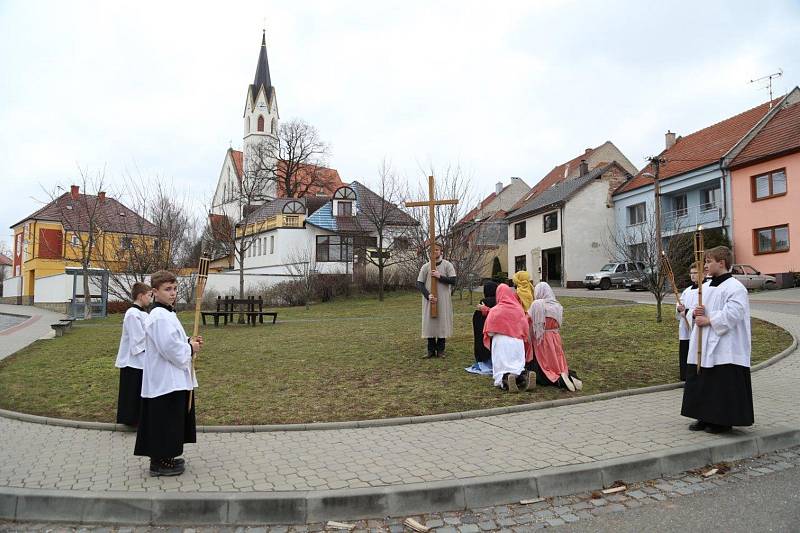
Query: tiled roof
{"points": [[238, 163], [75, 215], [558, 174], [366, 199], [701, 148], [275, 207], [5, 261], [328, 179], [559, 193], [780, 136]]}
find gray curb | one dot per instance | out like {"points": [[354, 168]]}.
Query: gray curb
{"points": [[382, 422], [349, 504]]}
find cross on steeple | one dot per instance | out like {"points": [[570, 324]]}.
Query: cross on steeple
{"points": [[431, 203]]}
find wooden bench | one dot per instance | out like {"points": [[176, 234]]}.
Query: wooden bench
{"points": [[251, 307], [59, 328], [67, 321], [220, 312]]}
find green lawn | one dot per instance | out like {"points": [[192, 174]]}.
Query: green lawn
{"points": [[348, 359]]}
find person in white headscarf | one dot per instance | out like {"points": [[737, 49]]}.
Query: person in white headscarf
{"points": [[547, 315]]}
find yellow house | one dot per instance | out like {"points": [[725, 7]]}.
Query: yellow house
{"points": [[80, 228]]}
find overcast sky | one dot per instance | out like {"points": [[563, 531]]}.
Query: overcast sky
{"points": [[157, 89]]}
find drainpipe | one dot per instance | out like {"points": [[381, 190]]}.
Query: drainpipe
{"points": [[724, 193], [563, 255]]}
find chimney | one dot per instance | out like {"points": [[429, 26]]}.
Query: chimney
{"points": [[584, 168], [101, 196], [498, 187], [669, 138], [74, 191]]}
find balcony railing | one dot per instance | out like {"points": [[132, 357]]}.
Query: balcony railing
{"points": [[690, 217]]}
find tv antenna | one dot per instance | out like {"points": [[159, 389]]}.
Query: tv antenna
{"points": [[768, 78]]}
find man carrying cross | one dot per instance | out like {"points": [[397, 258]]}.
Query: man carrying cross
{"points": [[435, 280], [437, 329]]}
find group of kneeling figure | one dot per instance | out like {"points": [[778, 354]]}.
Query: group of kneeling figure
{"points": [[517, 332]]}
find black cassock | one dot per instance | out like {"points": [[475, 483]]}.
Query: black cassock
{"points": [[482, 353]]}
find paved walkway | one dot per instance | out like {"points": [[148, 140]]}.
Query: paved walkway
{"points": [[37, 326], [68, 459]]}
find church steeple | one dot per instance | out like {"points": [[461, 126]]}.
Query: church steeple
{"points": [[262, 69]]}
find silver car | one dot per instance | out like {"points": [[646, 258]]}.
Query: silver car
{"points": [[613, 274], [752, 278]]}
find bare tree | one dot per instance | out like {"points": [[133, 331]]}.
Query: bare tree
{"points": [[4, 270], [302, 267], [458, 240], [391, 226], [158, 232], [639, 244], [301, 160], [83, 220]]}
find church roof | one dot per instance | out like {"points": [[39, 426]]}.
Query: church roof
{"points": [[262, 77]]}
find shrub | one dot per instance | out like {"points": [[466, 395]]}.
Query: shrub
{"points": [[119, 306]]}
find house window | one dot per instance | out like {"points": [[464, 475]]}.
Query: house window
{"points": [[76, 241], [259, 247], [550, 221], [344, 209], [401, 243], [126, 243], [638, 252], [520, 263], [771, 240], [334, 248], [636, 214], [260, 122], [711, 198], [680, 206], [768, 185], [519, 230], [271, 244]]}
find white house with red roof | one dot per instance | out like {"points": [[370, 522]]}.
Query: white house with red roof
{"points": [[556, 231]]}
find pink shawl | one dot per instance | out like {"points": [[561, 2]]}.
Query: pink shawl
{"points": [[508, 318]]}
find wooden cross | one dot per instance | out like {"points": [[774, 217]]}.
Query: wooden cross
{"points": [[431, 203]]}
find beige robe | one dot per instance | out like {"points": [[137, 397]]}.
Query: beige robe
{"points": [[441, 326]]}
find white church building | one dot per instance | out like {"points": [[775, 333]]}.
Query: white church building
{"points": [[328, 227]]}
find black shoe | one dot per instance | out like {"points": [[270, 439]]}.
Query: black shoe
{"points": [[429, 355], [178, 461], [717, 429], [165, 467], [698, 426]]}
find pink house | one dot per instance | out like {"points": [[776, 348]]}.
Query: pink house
{"points": [[765, 191]]}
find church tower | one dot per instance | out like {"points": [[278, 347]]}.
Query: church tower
{"points": [[260, 113]]}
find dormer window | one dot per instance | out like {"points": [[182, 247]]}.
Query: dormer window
{"points": [[344, 200], [345, 209]]}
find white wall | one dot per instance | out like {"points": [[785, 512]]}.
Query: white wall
{"points": [[586, 225], [12, 286], [53, 289]]}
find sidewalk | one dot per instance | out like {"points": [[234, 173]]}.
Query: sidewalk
{"points": [[37, 326], [62, 473]]}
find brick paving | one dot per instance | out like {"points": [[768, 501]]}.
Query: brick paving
{"points": [[37, 456], [512, 518]]}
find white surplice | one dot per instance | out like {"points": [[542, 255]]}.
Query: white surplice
{"points": [[132, 343], [168, 361], [727, 339]]}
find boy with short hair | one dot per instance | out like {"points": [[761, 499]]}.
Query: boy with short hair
{"points": [[167, 420], [683, 311], [130, 356], [720, 395]]}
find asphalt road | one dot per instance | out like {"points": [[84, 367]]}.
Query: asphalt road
{"points": [[764, 504]]}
